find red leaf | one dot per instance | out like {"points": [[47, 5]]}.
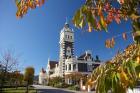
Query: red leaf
{"points": [[117, 19]]}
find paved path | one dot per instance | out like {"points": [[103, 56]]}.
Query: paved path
{"points": [[48, 89]]}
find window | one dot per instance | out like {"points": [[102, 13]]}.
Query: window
{"points": [[74, 67], [69, 66], [71, 37], [66, 67], [68, 51], [89, 67], [68, 36], [82, 67]]}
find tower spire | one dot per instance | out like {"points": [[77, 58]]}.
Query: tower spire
{"points": [[66, 23]]}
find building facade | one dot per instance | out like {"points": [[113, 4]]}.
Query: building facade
{"points": [[69, 65]]}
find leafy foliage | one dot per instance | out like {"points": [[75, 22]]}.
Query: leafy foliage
{"points": [[74, 87], [118, 74], [95, 14], [29, 75], [98, 14], [14, 78], [8, 63], [57, 82], [23, 6]]}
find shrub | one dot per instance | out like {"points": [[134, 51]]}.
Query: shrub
{"points": [[56, 81], [58, 85], [64, 85], [74, 87]]}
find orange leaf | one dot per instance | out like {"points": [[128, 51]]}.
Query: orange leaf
{"points": [[124, 36], [89, 27]]}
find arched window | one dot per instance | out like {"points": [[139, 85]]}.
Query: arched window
{"points": [[66, 67]]}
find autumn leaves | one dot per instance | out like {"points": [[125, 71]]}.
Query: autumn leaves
{"points": [[93, 15], [109, 43], [24, 5], [97, 15], [118, 74]]}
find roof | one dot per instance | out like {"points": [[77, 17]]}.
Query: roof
{"points": [[66, 28], [85, 56], [52, 64], [43, 71]]}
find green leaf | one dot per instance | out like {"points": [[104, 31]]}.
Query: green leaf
{"points": [[82, 23], [76, 18], [91, 20], [138, 69], [102, 23], [17, 3], [84, 9]]}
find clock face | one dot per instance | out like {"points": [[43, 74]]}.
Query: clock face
{"points": [[68, 51]]}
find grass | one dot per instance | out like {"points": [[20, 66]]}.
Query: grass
{"points": [[19, 90]]}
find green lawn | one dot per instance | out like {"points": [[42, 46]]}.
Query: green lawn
{"points": [[18, 90]]}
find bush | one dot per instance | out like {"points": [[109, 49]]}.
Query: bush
{"points": [[74, 87], [55, 82], [64, 85], [58, 85], [61, 85]]}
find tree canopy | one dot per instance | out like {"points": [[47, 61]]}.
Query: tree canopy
{"points": [[29, 76]]}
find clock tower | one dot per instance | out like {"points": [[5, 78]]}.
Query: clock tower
{"points": [[66, 46]]}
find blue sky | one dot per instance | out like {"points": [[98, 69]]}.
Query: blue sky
{"points": [[35, 37]]}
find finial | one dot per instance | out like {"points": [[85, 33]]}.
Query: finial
{"points": [[48, 59], [66, 23]]}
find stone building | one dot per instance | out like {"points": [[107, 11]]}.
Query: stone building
{"points": [[68, 64]]}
